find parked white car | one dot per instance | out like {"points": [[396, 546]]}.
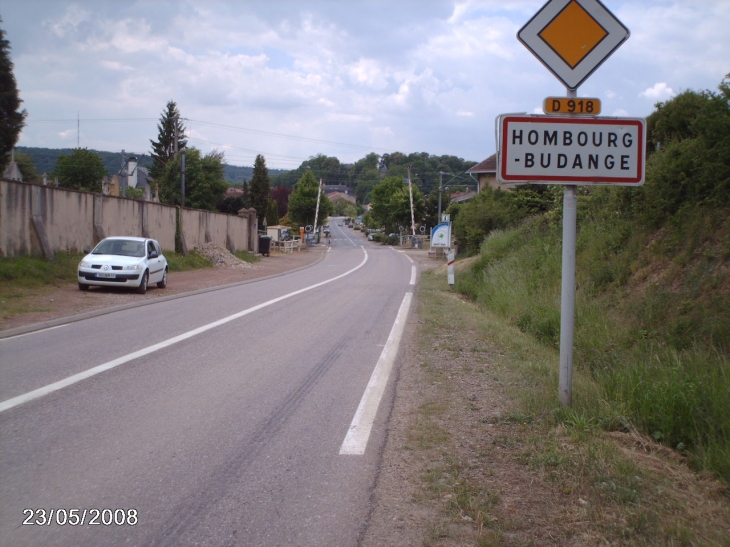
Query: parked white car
{"points": [[132, 262]]}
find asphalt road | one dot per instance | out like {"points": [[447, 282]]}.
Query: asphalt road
{"points": [[215, 419]]}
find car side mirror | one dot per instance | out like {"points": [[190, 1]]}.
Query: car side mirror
{"points": [[154, 254], [87, 251]]}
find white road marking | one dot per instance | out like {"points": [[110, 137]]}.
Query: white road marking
{"points": [[413, 268], [50, 388], [358, 435], [34, 332]]}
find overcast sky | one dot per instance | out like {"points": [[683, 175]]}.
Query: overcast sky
{"points": [[291, 79]]}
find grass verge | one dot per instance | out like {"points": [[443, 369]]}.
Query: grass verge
{"points": [[502, 463]]}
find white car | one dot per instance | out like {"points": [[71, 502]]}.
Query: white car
{"points": [[132, 262]]}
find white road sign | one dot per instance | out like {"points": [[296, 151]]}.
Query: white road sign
{"points": [[572, 38], [441, 235], [559, 150]]}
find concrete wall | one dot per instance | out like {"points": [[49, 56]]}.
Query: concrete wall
{"points": [[40, 220]]}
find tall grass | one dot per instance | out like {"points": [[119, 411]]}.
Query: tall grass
{"points": [[647, 330]]}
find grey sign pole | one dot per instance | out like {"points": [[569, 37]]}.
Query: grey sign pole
{"points": [[567, 291]]}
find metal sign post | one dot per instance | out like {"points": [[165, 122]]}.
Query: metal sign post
{"points": [[572, 38], [567, 292]]}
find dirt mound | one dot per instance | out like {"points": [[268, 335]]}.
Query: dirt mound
{"points": [[220, 257]]}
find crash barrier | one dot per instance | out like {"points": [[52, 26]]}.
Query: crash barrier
{"points": [[41, 220]]}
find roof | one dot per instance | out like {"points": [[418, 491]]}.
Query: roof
{"points": [[487, 166], [330, 188], [459, 197]]}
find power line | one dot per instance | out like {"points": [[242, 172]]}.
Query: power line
{"points": [[286, 136]]}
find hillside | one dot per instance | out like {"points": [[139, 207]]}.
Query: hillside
{"points": [[652, 319], [44, 160]]}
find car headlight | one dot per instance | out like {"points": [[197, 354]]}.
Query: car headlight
{"points": [[133, 267], [84, 264]]}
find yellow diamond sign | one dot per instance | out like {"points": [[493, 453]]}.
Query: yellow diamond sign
{"points": [[572, 38]]}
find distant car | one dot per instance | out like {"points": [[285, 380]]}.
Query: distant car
{"points": [[370, 237], [131, 262], [350, 225]]}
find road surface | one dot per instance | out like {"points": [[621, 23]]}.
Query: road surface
{"points": [[250, 415]]}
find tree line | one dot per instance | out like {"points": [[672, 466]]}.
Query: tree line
{"points": [[289, 197]]}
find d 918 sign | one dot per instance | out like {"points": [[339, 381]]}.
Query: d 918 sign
{"points": [[575, 106]]}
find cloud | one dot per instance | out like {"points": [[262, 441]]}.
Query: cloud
{"points": [[659, 92], [411, 75]]}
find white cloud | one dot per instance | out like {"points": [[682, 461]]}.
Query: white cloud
{"points": [[660, 91], [433, 78]]}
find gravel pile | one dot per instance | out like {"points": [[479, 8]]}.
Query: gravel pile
{"points": [[220, 257]]}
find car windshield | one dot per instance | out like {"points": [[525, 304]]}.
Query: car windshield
{"points": [[121, 247]]}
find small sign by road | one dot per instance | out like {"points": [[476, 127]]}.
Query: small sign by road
{"points": [[558, 150]]}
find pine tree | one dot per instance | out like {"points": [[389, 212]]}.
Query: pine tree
{"points": [[11, 119], [258, 191], [164, 149]]}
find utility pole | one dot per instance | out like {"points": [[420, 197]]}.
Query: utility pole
{"points": [[174, 131], [410, 192], [316, 209], [182, 163], [182, 181], [441, 189]]}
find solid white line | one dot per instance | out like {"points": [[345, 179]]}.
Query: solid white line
{"points": [[413, 274], [50, 388], [357, 436], [34, 332]]}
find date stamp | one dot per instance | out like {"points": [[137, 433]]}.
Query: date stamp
{"points": [[80, 517]]}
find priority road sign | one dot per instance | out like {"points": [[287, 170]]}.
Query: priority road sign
{"points": [[572, 38], [560, 150]]}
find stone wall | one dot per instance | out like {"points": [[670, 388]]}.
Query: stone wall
{"points": [[41, 220]]}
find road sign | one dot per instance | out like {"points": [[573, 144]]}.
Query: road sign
{"points": [[558, 150], [572, 38], [441, 235], [576, 106]]}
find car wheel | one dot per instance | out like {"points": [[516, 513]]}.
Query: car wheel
{"points": [[83, 287], [163, 282], [143, 285]]}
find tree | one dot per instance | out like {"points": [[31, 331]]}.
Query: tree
{"points": [[163, 150], [391, 204], [303, 202], [272, 214], [230, 205], [260, 188], [205, 181], [83, 169], [12, 119], [280, 194], [27, 167]]}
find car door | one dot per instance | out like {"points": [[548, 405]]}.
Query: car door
{"points": [[156, 267]]}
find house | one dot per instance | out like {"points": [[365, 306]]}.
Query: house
{"points": [[485, 173], [337, 188], [233, 192], [340, 196], [460, 197]]}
